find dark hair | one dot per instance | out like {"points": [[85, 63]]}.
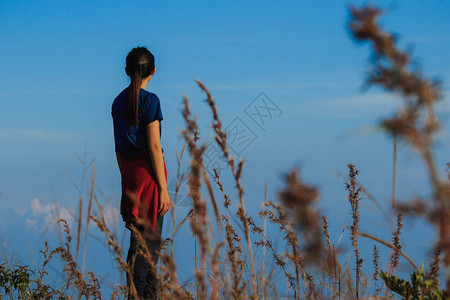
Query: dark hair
{"points": [[140, 63]]}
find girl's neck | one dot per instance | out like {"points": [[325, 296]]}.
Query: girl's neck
{"points": [[145, 81]]}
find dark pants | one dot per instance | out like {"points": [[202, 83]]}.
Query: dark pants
{"points": [[144, 277]]}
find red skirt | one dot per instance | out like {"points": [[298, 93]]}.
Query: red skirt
{"points": [[140, 195]]}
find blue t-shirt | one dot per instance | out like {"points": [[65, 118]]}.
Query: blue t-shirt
{"points": [[130, 139]]}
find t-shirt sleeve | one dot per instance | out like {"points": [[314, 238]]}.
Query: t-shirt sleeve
{"points": [[153, 111]]}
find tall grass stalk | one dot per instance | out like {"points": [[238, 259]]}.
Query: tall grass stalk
{"points": [[394, 179], [221, 139]]}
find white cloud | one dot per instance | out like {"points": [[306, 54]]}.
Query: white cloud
{"points": [[111, 214], [48, 212], [366, 102], [38, 209], [30, 222], [302, 83], [51, 218], [426, 39], [381, 104], [279, 85], [36, 206], [443, 106], [21, 211], [23, 92], [18, 134]]}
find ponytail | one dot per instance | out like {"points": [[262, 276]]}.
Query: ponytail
{"points": [[140, 63], [133, 98]]}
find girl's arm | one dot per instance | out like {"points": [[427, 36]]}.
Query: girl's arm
{"points": [[119, 161], [154, 146]]}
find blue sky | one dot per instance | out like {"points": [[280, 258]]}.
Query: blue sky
{"points": [[62, 65]]}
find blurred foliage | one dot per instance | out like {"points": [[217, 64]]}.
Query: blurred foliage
{"points": [[420, 287]]}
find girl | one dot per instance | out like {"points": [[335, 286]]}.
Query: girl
{"points": [[145, 199]]}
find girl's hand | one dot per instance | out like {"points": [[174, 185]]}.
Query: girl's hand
{"points": [[164, 202]]}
